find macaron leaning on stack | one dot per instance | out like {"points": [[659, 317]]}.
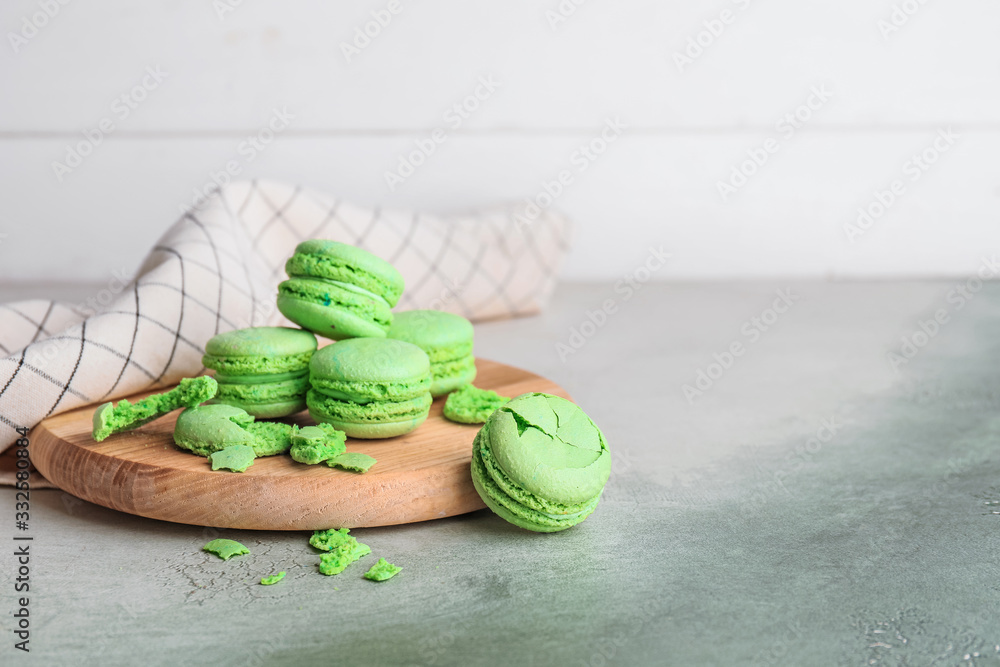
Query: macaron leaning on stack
{"points": [[447, 340], [370, 387], [339, 291], [262, 370], [540, 463]]}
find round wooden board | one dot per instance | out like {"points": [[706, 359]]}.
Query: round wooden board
{"points": [[419, 476]]}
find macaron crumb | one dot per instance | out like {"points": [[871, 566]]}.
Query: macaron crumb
{"points": [[337, 560], [330, 539], [352, 461], [471, 405], [315, 444], [272, 579], [236, 458], [342, 549], [382, 570], [225, 549]]}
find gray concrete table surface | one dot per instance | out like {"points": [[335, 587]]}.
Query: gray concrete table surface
{"points": [[830, 496]]}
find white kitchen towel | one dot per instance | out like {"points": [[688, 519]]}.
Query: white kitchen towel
{"points": [[218, 269]]}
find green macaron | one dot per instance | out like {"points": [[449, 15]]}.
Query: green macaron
{"points": [[540, 463], [339, 291], [262, 370], [370, 387], [447, 340]]}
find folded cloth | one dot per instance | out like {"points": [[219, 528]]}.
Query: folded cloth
{"points": [[218, 269]]}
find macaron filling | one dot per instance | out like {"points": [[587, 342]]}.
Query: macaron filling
{"points": [[250, 365], [264, 392], [365, 392], [257, 379], [444, 370], [445, 353], [342, 269], [372, 412], [321, 292]]}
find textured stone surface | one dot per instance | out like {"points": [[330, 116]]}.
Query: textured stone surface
{"points": [[730, 532]]}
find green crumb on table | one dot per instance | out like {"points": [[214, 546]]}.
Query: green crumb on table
{"points": [[337, 560], [272, 579], [353, 461], [382, 570], [110, 418], [225, 549], [472, 405], [328, 540], [236, 458], [315, 444], [341, 547]]}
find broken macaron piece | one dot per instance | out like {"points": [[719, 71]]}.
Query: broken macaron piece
{"points": [[211, 428], [315, 444], [472, 405], [225, 549], [110, 418], [341, 549], [272, 579], [382, 570], [352, 461], [540, 463], [236, 458]]}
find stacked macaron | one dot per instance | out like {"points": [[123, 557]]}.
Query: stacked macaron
{"points": [[262, 370], [447, 340], [540, 463], [339, 291], [370, 387]]}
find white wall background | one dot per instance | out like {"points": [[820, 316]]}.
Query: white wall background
{"points": [[688, 127]]}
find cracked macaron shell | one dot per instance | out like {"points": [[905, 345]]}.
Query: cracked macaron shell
{"points": [[264, 392], [549, 447], [213, 427], [511, 509]]}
